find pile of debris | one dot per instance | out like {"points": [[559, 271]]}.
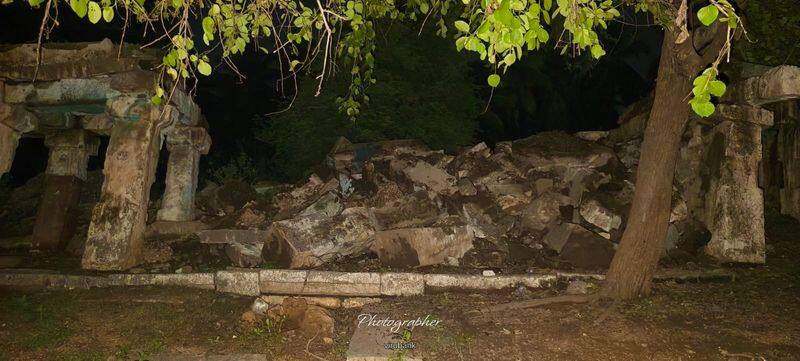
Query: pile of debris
{"points": [[551, 195]]}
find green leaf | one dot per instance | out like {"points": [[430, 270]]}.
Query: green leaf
{"points": [[708, 14], [156, 100], [703, 109], [79, 7], [208, 25], [510, 59], [94, 12], [462, 26], [597, 51], [204, 68], [108, 14], [493, 80], [717, 88], [548, 4]]}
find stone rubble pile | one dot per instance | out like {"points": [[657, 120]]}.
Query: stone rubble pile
{"points": [[414, 207]]}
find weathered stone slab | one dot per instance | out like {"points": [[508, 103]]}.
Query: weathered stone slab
{"points": [[50, 280], [312, 241], [283, 282], [777, 84], [343, 283], [240, 282], [433, 178], [402, 284], [190, 280], [466, 283], [414, 247]]}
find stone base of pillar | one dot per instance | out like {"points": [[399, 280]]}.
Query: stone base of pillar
{"points": [[55, 218]]}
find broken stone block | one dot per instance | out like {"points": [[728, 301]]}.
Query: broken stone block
{"points": [[466, 188], [243, 247], [433, 178], [415, 247], [587, 250], [283, 282], [312, 241], [549, 150], [599, 215], [56, 216], [326, 206], [412, 210], [543, 210]]}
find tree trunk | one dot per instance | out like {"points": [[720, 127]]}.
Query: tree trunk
{"points": [[643, 240]]}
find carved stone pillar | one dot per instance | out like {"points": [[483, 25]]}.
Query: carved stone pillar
{"points": [[116, 233], [185, 145], [66, 171], [789, 155], [734, 203]]}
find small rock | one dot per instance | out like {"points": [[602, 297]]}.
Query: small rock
{"points": [[249, 317], [488, 273], [327, 340], [578, 287], [260, 307]]}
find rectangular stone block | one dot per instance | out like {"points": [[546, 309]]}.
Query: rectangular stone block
{"points": [[240, 282], [191, 280], [467, 283], [283, 282], [343, 283], [402, 284]]}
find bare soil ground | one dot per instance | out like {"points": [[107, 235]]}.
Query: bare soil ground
{"points": [[755, 317]]}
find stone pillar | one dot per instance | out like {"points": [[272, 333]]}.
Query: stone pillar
{"points": [[14, 121], [64, 177], [116, 233], [734, 202], [789, 155], [185, 145]]}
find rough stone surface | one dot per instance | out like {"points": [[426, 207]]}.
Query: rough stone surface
{"points": [[415, 247], [314, 240], [734, 202], [56, 216], [191, 280], [115, 236], [243, 247], [185, 145], [402, 284], [240, 282], [587, 250]]}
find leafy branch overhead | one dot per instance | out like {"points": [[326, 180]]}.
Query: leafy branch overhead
{"points": [[325, 36]]}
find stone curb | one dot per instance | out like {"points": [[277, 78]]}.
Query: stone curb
{"points": [[254, 282]]}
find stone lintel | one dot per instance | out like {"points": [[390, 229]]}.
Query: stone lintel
{"points": [[98, 123], [775, 85], [743, 113]]}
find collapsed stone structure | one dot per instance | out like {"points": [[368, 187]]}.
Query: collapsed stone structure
{"points": [[415, 207], [78, 93]]}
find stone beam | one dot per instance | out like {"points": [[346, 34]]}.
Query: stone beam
{"points": [[734, 202], [775, 85], [66, 171], [185, 145], [116, 233]]}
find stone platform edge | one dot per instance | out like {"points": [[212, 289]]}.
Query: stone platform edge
{"points": [[254, 282]]}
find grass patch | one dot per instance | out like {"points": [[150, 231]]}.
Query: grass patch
{"points": [[42, 320]]}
